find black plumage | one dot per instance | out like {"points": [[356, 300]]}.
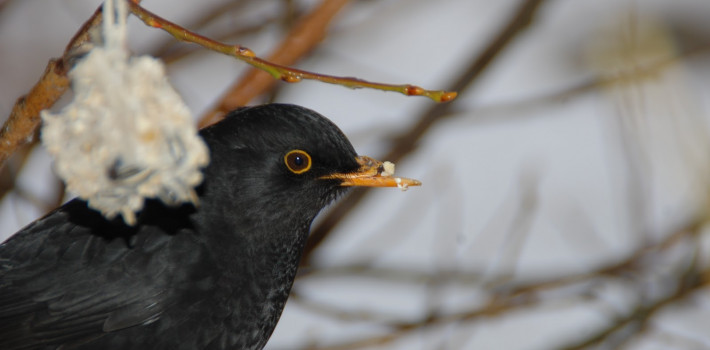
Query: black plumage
{"points": [[212, 276]]}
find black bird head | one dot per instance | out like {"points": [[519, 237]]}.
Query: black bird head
{"points": [[273, 168], [288, 157]]}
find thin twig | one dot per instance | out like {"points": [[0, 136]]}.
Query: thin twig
{"points": [[171, 50], [303, 38], [277, 71], [172, 53]]}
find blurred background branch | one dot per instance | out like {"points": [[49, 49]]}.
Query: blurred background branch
{"points": [[565, 198]]}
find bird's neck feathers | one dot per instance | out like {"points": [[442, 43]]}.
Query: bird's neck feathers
{"points": [[253, 218], [258, 257]]}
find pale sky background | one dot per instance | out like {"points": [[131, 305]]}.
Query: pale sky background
{"points": [[517, 187]]}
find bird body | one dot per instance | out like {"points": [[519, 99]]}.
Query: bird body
{"points": [[211, 276]]}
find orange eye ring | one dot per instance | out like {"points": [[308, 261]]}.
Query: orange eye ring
{"points": [[297, 161]]}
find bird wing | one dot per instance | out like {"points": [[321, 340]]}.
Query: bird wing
{"points": [[68, 280]]}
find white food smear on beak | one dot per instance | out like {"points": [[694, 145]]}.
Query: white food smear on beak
{"points": [[127, 135], [388, 168], [400, 185]]}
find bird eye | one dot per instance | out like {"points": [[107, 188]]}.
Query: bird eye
{"points": [[297, 161]]}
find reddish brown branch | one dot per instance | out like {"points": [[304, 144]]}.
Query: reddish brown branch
{"points": [[303, 38], [322, 16], [24, 118]]}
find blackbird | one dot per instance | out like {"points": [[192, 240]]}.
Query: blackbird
{"points": [[209, 276]]}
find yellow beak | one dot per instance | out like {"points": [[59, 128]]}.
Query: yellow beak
{"points": [[373, 173]]}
